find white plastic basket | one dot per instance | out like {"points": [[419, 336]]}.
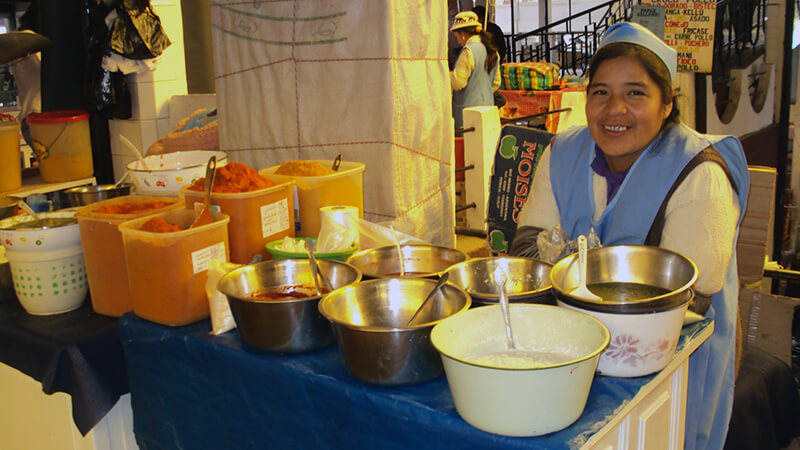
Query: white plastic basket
{"points": [[49, 282]]}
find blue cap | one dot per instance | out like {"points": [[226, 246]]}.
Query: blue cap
{"points": [[633, 33]]}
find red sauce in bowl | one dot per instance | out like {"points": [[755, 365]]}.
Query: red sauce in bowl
{"points": [[287, 292]]}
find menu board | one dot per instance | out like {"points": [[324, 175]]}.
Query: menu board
{"points": [[689, 29]]}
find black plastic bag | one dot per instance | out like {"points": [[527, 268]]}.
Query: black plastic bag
{"points": [[105, 92], [137, 32]]}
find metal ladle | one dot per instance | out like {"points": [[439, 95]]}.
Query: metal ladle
{"points": [[431, 294], [501, 278], [320, 282], [336, 163]]}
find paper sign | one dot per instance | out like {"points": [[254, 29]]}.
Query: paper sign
{"points": [[518, 152], [200, 258], [689, 29], [274, 218], [650, 17]]}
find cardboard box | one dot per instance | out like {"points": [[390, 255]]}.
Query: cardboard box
{"points": [[755, 232], [767, 322], [515, 161]]}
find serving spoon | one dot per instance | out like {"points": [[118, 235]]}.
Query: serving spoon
{"points": [[581, 290], [431, 294], [204, 218], [320, 282], [501, 278]]}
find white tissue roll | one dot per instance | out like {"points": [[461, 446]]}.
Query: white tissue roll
{"points": [[338, 228]]}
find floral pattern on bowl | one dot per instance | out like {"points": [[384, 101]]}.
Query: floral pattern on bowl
{"points": [[641, 344], [628, 349]]}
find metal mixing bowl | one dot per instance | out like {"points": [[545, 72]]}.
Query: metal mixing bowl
{"points": [[85, 195], [419, 261], [627, 264], [370, 323], [282, 326], [528, 279]]}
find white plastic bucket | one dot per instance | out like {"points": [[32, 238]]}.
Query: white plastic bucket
{"points": [[51, 282]]}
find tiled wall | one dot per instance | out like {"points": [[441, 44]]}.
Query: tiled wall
{"points": [[151, 92]]}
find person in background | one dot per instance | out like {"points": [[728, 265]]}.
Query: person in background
{"points": [[499, 43], [475, 76], [637, 176]]}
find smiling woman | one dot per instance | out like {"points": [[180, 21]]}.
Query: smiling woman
{"points": [[636, 176]]}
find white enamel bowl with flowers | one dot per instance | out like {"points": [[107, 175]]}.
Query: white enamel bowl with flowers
{"points": [[644, 309]]}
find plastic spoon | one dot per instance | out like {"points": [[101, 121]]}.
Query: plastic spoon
{"points": [[501, 278], [204, 218], [28, 210], [581, 290], [320, 282], [431, 294], [135, 151]]}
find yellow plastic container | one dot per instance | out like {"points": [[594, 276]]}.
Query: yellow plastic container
{"points": [[257, 217], [104, 252], [10, 163], [62, 144], [345, 187], [167, 271]]}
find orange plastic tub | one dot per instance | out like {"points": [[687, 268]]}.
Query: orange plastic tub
{"points": [[167, 271], [104, 253], [257, 217]]}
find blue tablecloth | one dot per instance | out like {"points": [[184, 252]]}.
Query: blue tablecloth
{"points": [[190, 389]]}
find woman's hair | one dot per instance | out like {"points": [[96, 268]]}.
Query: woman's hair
{"points": [[654, 67], [486, 40]]}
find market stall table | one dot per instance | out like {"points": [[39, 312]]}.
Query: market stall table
{"points": [[192, 389], [76, 353]]}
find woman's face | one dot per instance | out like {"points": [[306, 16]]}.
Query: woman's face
{"points": [[461, 37], [624, 110]]}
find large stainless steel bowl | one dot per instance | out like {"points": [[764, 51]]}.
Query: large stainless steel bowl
{"points": [[370, 323], [633, 264], [419, 261], [282, 326], [528, 279], [85, 195]]}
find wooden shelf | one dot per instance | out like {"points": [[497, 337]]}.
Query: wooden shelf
{"points": [[35, 185]]}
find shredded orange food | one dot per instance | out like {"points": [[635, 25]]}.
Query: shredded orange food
{"points": [[131, 208], [303, 169], [232, 178], [159, 225]]}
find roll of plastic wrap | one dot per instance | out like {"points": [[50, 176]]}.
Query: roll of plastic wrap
{"points": [[338, 228]]}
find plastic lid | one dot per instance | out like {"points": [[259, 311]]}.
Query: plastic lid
{"points": [[7, 121], [71, 115]]}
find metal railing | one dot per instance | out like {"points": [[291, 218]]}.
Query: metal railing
{"points": [[739, 35], [567, 43]]}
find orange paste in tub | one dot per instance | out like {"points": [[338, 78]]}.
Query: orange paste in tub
{"points": [[232, 178]]}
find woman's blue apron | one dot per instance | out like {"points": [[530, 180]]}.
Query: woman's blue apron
{"points": [[627, 220]]}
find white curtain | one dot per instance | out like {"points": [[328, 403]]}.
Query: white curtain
{"points": [[365, 79]]}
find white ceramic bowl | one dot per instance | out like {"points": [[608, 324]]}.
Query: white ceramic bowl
{"points": [[544, 395], [51, 282], [641, 344], [167, 173], [39, 239]]}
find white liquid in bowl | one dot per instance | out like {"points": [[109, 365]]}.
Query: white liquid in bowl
{"points": [[517, 359]]}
